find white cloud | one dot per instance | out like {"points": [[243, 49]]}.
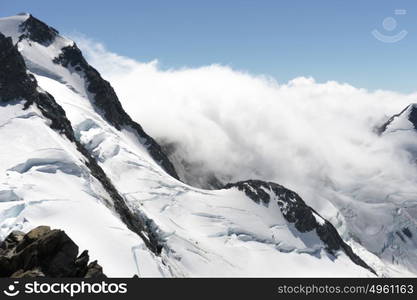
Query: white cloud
{"points": [[315, 138]]}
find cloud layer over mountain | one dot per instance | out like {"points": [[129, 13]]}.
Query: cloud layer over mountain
{"points": [[315, 138]]}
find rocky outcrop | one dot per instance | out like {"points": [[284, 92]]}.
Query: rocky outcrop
{"points": [[37, 31], [297, 212], [108, 105], [43, 252], [15, 83]]}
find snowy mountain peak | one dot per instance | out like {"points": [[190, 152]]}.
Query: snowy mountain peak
{"points": [[26, 26], [59, 58], [405, 120], [37, 31]]}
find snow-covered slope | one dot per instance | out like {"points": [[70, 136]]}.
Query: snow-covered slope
{"points": [[44, 179], [82, 165]]}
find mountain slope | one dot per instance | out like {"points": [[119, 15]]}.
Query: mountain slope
{"points": [[42, 150], [114, 179]]}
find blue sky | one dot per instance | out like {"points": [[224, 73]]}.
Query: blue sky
{"points": [[328, 40]]}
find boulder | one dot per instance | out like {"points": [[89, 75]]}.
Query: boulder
{"points": [[44, 252]]}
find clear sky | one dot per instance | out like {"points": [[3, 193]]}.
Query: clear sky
{"points": [[329, 40]]}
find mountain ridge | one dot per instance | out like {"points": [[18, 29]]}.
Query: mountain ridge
{"points": [[25, 86]]}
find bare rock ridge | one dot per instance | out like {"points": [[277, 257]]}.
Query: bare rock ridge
{"points": [[43, 252], [108, 104], [15, 83], [21, 86], [296, 211]]}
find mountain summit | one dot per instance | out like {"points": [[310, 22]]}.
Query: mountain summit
{"points": [[406, 119]]}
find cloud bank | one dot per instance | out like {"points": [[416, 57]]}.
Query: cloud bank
{"points": [[315, 138]]}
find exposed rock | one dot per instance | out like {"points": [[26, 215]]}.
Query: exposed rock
{"points": [[81, 263], [295, 211], [38, 31], [407, 232], [12, 240], [132, 220], [31, 236], [15, 83], [94, 270], [107, 104], [412, 116], [27, 274], [36, 233], [43, 252], [54, 112]]}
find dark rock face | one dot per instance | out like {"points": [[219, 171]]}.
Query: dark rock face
{"points": [[38, 31], [107, 104], [54, 112], [295, 211], [17, 84], [132, 220], [412, 117], [105, 97], [407, 232], [43, 252]]}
